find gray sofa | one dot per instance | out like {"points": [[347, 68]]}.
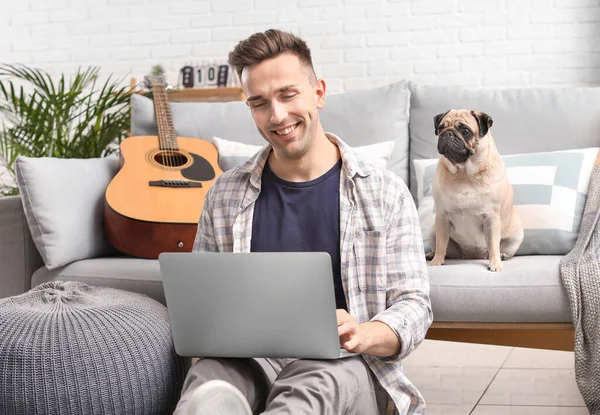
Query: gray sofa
{"points": [[469, 302]]}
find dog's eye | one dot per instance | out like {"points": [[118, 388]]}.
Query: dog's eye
{"points": [[465, 132]]}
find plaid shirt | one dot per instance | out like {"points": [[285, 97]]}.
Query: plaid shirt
{"points": [[383, 268]]}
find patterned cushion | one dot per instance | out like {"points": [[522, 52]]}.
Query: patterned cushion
{"points": [[234, 153], [550, 192]]}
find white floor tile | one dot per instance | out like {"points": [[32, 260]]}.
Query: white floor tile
{"points": [[444, 409], [529, 410], [450, 385], [434, 353], [521, 358], [551, 387]]}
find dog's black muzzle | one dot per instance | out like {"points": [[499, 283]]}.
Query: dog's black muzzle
{"points": [[453, 147]]}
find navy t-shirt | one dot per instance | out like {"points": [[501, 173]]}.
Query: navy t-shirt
{"points": [[300, 216]]}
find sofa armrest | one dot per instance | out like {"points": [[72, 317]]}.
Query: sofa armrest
{"points": [[19, 257]]}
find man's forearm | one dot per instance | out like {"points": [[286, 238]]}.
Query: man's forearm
{"points": [[382, 341]]}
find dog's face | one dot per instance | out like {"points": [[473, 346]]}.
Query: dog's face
{"points": [[459, 133]]}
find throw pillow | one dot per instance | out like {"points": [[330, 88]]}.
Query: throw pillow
{"points": [[63, 201], [233, 153], [550, 190]]}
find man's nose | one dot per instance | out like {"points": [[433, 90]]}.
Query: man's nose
{"points": [[278, 113]]}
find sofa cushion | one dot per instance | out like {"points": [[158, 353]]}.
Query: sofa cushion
{"points": [[528, 290], [234, 153], [550, 190], [122, 272], [359, 118], [63, 201], [526, 120]]}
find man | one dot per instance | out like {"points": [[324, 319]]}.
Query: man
{"points": [[307, 190]]}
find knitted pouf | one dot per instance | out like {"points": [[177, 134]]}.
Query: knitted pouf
{"points": [[71, 348]]}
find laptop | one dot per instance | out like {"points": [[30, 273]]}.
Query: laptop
{"points": [[259, 304]]}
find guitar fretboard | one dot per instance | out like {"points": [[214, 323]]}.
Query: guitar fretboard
{"points": [[164, 120]]}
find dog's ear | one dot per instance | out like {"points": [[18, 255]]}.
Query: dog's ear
{"points": [[484, 121], [437, 120]]}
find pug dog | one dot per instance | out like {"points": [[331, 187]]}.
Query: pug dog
{"points": [[475, 217]]}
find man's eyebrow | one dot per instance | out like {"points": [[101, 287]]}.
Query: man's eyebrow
{"points": [[282, 89]]}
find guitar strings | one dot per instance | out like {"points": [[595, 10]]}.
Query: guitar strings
{"points": [[167, 157], [158, 111], [167, 119], [165, 131]]}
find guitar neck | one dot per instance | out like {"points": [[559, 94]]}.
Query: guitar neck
{"points": [[164, 120]]}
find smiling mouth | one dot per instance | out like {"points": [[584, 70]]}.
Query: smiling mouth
{"points": [[287, 130]]}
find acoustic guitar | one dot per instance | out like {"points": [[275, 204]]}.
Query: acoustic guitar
{"points": [[153, 203]]}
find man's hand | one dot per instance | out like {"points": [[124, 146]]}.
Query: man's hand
{"points": [[372, 338], [353, 337]]}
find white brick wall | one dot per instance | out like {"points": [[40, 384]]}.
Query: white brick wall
{"points": [[355, 43]]}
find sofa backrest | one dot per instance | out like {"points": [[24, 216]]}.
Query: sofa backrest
{"points": [[525, 120], [359, 118]]}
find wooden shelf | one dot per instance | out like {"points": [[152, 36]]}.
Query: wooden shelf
{"points": [[221, 94]]}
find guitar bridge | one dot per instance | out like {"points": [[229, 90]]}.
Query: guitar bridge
{"points": [[174, 183]]}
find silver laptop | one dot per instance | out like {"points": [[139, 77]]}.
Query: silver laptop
{"points": [[279, 304]]}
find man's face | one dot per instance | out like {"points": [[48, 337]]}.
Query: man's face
{"points": [[284, 99]]}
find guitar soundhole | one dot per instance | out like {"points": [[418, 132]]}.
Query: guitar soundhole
{"points": [[170, 158]]}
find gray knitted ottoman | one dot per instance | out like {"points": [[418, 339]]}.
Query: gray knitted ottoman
{"points": [[71, 348]]}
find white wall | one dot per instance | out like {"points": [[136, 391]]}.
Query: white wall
{"points": [[356, 43]]}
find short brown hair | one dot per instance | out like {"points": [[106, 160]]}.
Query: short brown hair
{"points": [[266, 45]]}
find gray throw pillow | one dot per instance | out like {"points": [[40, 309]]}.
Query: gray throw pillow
{"points": [[63, 201]]}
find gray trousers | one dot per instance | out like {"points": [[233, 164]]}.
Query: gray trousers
{"points": [[299, 387]]}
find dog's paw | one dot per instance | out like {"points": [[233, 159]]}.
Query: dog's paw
{"points": [[496, 266], [436, 261], [429, 256], [505, 257]]}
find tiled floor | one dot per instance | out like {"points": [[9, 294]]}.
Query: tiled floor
{"points": [[463, 379]]}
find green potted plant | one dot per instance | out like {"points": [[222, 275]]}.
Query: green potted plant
{"points": [[80, 117]]}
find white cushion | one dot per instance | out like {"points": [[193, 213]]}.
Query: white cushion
{"points": [[550, 192], [233, 153], [63, 201]]}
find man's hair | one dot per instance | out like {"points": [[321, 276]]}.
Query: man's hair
{"points": [[266, 45]]}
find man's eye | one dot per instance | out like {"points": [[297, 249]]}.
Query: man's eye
{"points": [[289, 96], [258, 105]]}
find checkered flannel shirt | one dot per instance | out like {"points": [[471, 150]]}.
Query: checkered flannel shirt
{"points": [[383, 268]]}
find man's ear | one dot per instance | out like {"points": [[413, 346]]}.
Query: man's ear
{"points": [[437, 120], [484, 122], [321, 88]]}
